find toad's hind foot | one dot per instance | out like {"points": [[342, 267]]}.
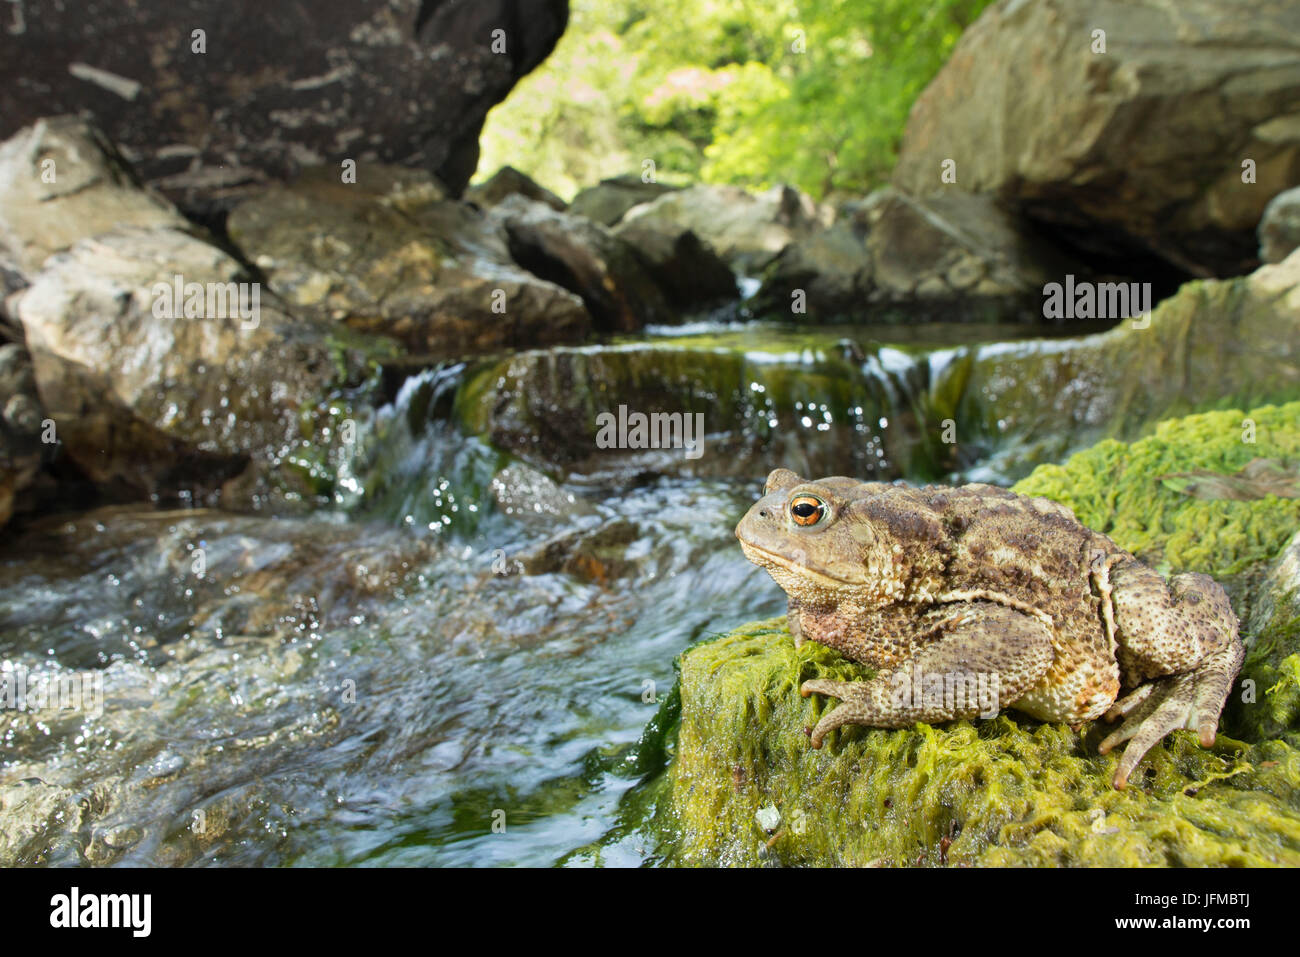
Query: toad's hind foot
{"points": [[1193, 700]]}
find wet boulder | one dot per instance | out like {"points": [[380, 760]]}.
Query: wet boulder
{"points": [[166, 370], [613, 413], [389, 254], [956, 248]]}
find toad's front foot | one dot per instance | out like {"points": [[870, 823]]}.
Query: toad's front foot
{"points": [[856, 706], [985, 656], [1193, 701]]}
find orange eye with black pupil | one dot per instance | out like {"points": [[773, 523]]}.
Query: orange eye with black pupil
{"points": [[807, 510]]}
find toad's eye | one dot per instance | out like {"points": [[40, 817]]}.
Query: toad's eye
{"points": [[807, 510]]}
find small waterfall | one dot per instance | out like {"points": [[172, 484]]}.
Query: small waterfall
{"points": [[421, 470]]}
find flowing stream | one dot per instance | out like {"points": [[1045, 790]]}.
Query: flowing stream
{"points": [[453, 667]]}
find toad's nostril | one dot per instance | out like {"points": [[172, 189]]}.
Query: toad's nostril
{"points": [[763, 514]]}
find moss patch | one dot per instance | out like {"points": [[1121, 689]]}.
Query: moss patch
{"points": [[1009, 791], [1272, 664], [1114, 487]]}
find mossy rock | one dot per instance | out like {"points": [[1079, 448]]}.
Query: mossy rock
{"points": [[816, 412], [1117, 488], [746, 788], [1010, 791]]}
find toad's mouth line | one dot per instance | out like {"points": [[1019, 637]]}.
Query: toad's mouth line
{"points": [[761, 556]]}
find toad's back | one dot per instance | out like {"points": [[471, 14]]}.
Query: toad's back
{"points": [[1030, 549]]}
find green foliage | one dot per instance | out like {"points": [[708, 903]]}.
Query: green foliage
{"points": [[751, 92]]}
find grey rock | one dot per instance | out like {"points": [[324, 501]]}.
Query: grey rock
{"points": [[1137, 150], [434, 274], [746, 230], [155, 404], [61, 180], [1279, 229], [608, 200], [508, 181]]}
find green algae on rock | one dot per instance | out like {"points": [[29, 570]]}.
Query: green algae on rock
{"points": [[748, 790], [817, 407], [1269, 705], [1114, 487]]}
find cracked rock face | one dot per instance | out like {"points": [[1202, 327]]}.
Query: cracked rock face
{"points": [[267, 88], [1137, 150]]}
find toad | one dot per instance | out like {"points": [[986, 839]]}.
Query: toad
{"points": [[968, 600]]}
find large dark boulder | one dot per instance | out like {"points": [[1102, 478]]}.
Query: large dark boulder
{"points": [[279, 86]]}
